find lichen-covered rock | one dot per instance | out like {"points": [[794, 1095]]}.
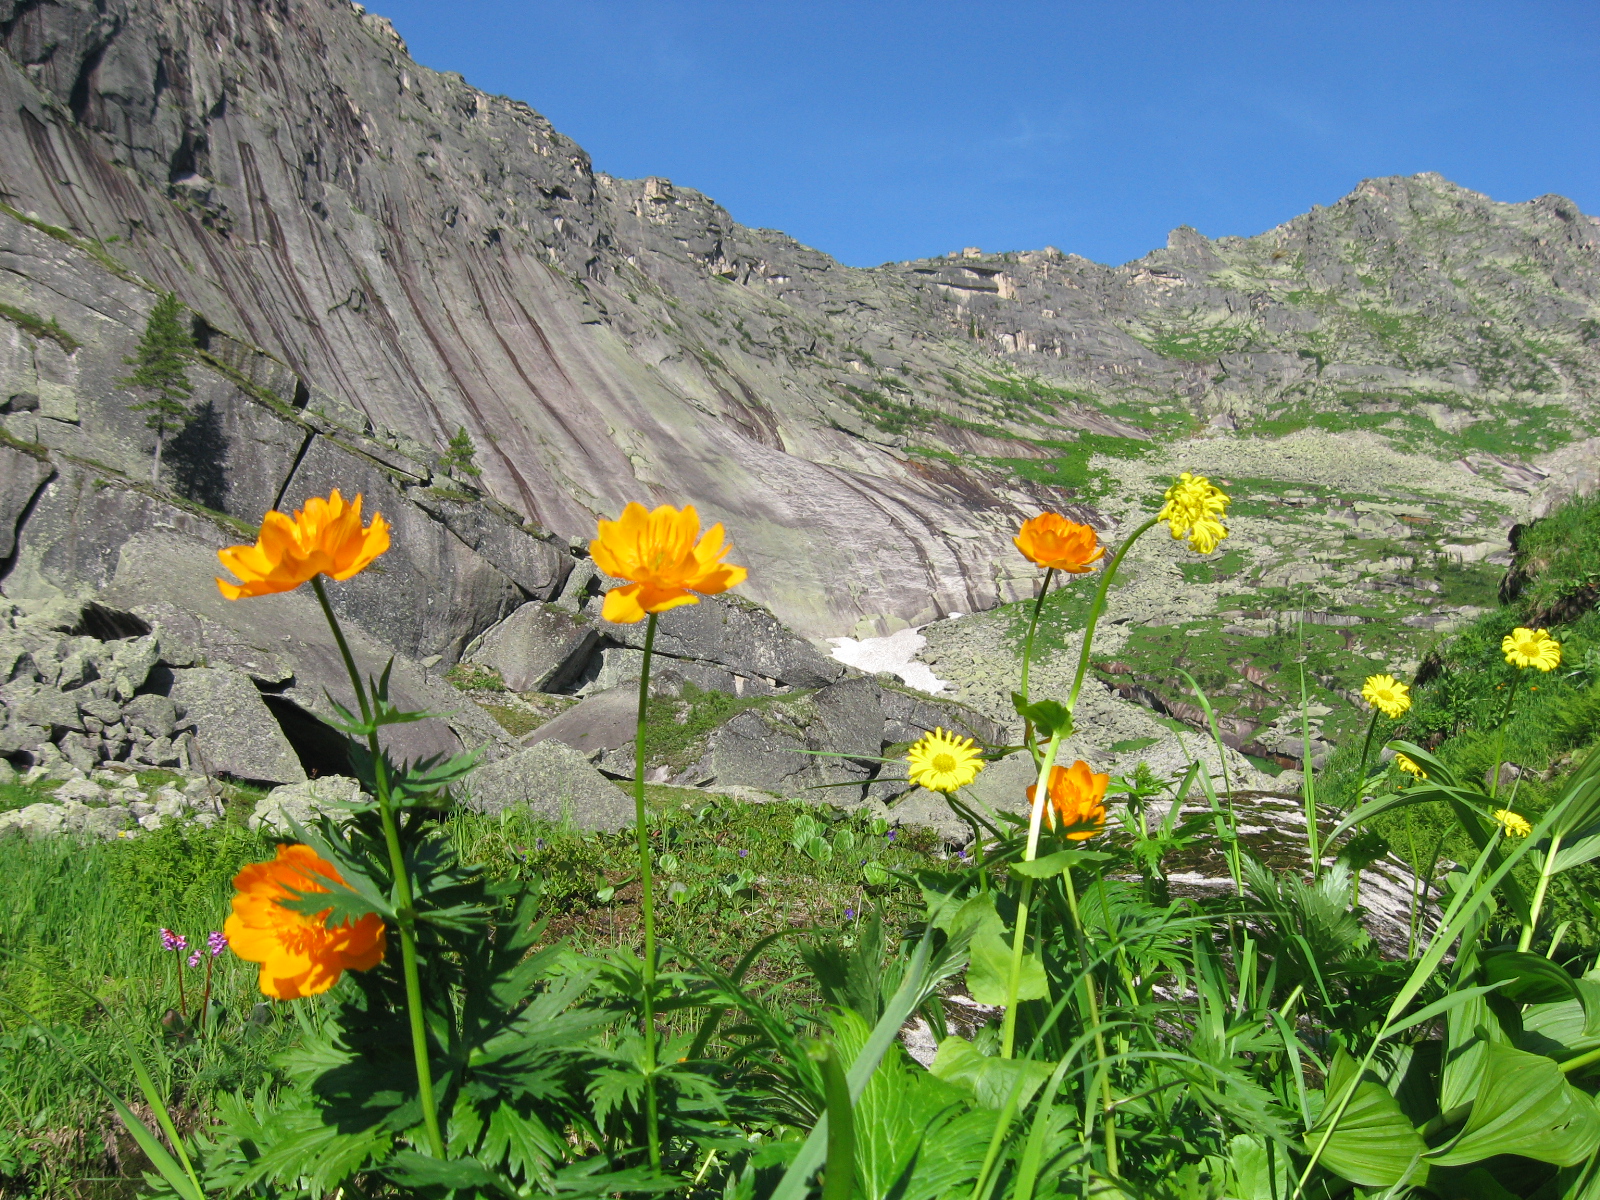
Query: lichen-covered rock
{"points": [[327, 795], [554, 781]]}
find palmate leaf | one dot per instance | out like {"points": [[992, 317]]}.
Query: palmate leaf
{"points": [[1525, 1106], [1373, 1145]]}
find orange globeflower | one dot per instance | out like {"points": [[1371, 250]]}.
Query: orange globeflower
{"points": [[299, 956], [323, 538], [1050, 540], [1077, 796], [657, 552]]}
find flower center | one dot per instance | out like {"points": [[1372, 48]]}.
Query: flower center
{"points": [[944, 763]]}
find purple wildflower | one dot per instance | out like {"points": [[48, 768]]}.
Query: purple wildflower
{"points": [[744, 854], [849, 914], [194, 959], [216, 942], [173, 941], [890, 835]]}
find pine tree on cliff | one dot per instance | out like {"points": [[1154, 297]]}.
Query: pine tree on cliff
{"points": [[158, 368], [459, 453]]}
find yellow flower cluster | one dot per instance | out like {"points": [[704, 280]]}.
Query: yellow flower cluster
{"points": [[1194, 510]]}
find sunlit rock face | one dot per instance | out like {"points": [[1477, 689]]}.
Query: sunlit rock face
{"points": [[392, 253]]}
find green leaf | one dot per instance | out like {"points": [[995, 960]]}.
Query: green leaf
{"points": [[989, 972], [991, 1080], [1050, 717], [1373, 1144], [1528, 978], [1052, 865], [421, 1170], [818, 850], [1451, 1002], [1525, 1106], [1574, 1025]]}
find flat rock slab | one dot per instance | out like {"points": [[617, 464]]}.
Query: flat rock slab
{"points": [[237, 734], [21, 477], [604, 721], [554, 781]]}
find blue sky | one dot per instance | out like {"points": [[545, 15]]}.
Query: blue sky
{"points": [[889, 130]]}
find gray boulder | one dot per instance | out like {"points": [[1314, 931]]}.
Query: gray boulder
{"points": [[551, 780], [733, 633], [237, 734], [538, 648], [774, 747], [328, 795]]}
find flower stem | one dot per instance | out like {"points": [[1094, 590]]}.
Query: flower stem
{"points": [[1041, 797], [1366, 748], [1027, 651], [1500, 736], [405, 910], [183, 1002], [1093, 1006], [205, 1000], [1099, 607], [647, 902], [1526, 940]]}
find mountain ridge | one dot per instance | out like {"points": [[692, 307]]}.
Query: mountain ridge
{"points": [[428, 256]]}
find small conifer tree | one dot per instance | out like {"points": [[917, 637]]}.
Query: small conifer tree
{"points": [[158, 369], [459, 453]]}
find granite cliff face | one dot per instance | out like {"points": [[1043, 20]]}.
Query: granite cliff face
{"points": [[386, 245], [376, 254]]}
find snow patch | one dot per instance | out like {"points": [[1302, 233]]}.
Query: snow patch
{"points": [[896, 654]]}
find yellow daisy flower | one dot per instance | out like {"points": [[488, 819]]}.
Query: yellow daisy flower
{"points": [[943, 762], [1532, 648], [1409, 766], [1386, 694], [1194, 510], [1514, 824]]}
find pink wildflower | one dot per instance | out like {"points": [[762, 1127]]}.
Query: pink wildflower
{"points": [[216, 942], [173, 941]]}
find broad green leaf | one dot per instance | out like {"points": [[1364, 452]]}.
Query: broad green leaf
{"points": [[1049, 716], [1571, 1024], [1053, 864], [991, 1080], [989, 972], [1373, 1144], [1525, 1106], [1259, 1169], [1470, 1029], [1528, 978]]}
